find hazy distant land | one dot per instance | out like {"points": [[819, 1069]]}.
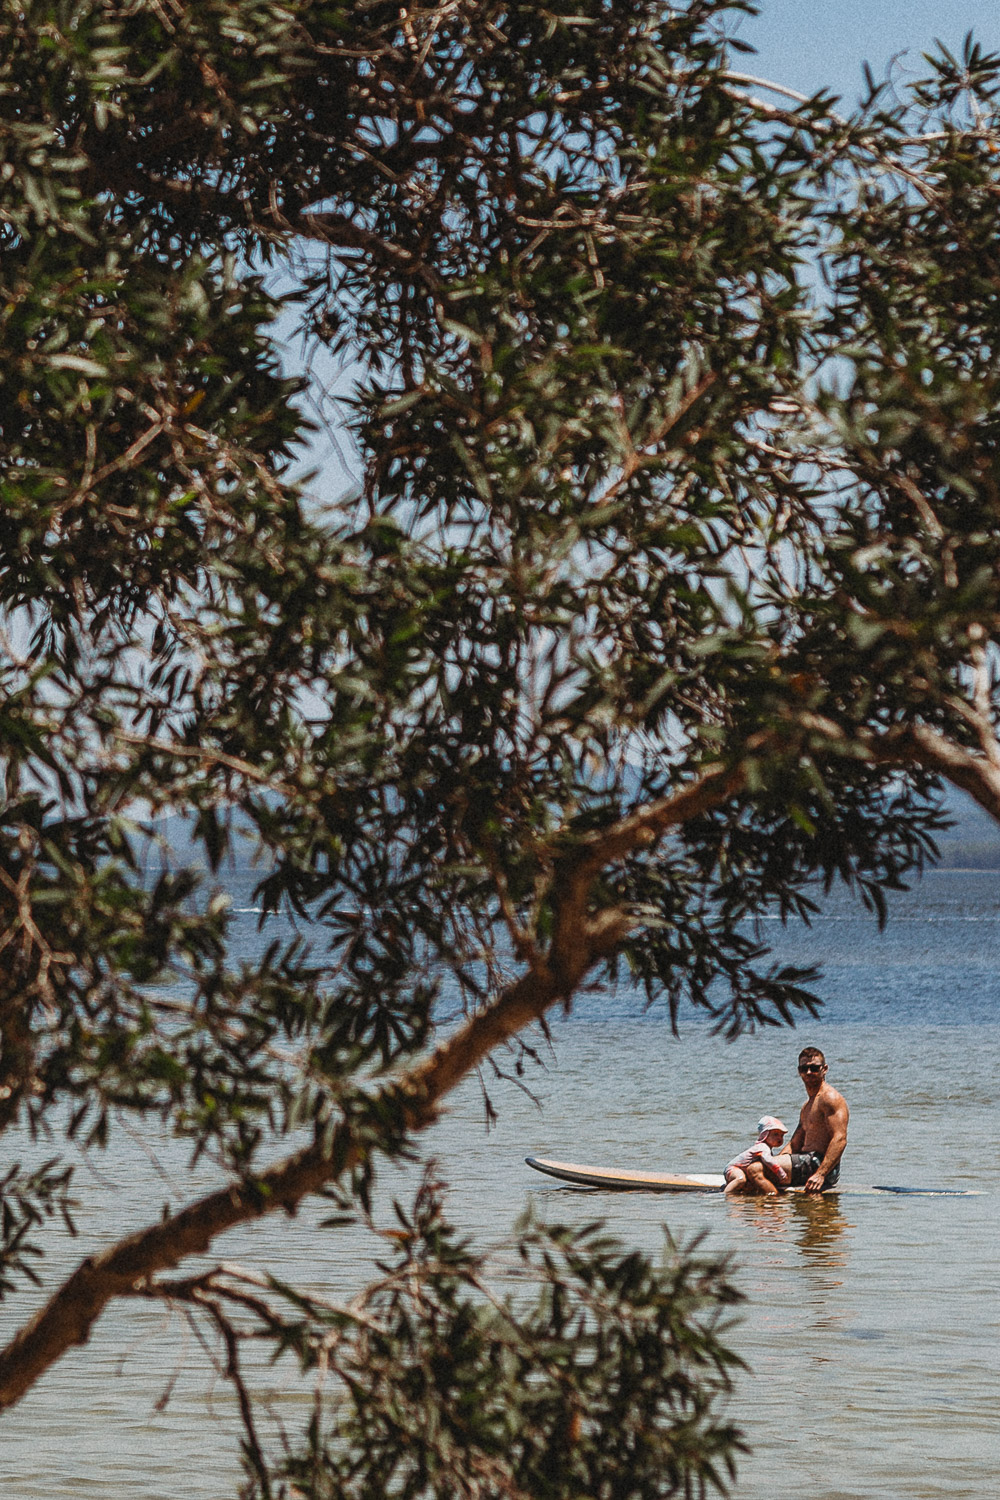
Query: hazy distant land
{"points": [[972, 843]]}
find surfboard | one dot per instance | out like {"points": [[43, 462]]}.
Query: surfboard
{"points": [[620, 1180], [604, 1177]]}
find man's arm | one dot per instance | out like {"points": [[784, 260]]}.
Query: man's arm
{"points": [[837, 1121]]}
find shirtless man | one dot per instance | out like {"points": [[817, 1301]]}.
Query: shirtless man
{"points": [[818, 1140]]}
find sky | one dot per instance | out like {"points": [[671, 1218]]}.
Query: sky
{"points": [[810, 44]]}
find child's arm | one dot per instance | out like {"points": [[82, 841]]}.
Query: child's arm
{"points": [[782, 1172], [772, 1164]]}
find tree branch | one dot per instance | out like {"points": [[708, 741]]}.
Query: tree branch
{"points": [[342, 233], [919, 744], [69, 1315], [580, 938], [971, 773], [644, 827]]}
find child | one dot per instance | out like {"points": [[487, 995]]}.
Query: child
{"points": [[758, 1169]]}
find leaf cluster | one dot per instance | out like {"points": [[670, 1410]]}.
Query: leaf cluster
{"points": [[603, 1372], [27, 1201]]}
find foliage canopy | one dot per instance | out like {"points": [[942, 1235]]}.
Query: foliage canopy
{"points": [[669, 588]]}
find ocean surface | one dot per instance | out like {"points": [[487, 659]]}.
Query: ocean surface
{"points": [[872, 1322]]}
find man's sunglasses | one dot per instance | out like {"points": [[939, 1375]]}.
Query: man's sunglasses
{"points": [[810, 1067]]}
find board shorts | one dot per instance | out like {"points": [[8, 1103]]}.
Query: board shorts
{"points": [[805, 1163]]}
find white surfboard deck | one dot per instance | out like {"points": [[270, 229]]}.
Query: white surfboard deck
{"points": [[621, 1180]]}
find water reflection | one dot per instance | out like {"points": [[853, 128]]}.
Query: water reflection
{"points": [[798, 1232], [794, 1252], [768, 1216], [819, 1224]]}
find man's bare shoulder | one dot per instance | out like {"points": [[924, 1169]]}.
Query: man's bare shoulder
{"points": [[833, 1101]]}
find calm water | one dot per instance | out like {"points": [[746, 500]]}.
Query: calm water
{"points": [[872, 1322]]}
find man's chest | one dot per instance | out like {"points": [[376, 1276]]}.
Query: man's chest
{"points": [[814, 1115]]}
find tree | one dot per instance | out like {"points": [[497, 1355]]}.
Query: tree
{"points": [[669, 590]]}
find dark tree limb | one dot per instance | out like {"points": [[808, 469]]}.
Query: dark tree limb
{"points": [[920, 745], [580, 939]]}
